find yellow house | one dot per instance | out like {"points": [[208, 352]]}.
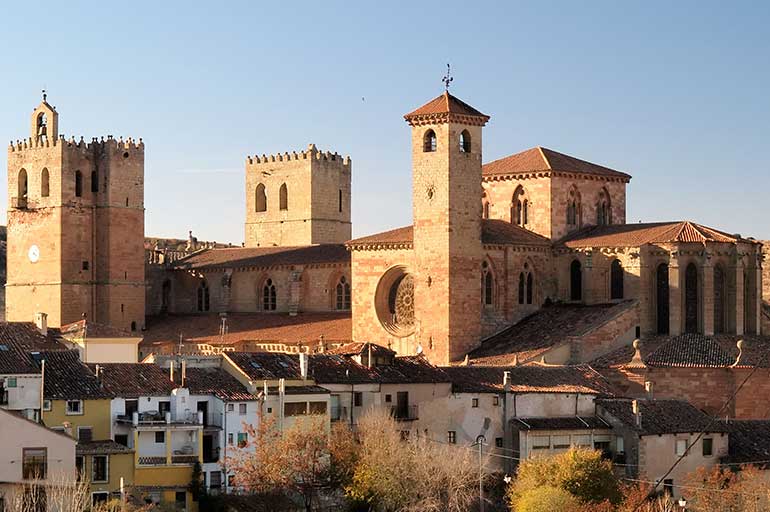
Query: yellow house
{"points": [[76, 402]]}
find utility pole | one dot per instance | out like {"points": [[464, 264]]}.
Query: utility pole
{"points": [[480, 440]]}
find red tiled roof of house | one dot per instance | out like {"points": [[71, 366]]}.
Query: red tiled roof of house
{"points": [[213, 381], [493, 232], [544, 159], [18, 340], [635, 235], [67, 378], [360, 348], [749, 442], [530, 378], [304, 328], [445, 104], [540, 332], [95, 330], [134, 380], [660, 416], [260, 366], [260, 257]]}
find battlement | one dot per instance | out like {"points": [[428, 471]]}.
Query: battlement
{"points": [[310, 153], [109, 144]]}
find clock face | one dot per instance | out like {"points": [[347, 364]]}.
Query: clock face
{"points": [[34, 254]]}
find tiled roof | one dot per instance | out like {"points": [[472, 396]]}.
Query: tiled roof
{"points": [[101, 448], [445, 104], [540, 332], [544, 159], [266, 365], [304, 328], [660, 416], [562, 423], [134, 380], [531, 378], [749, 442], [301, 390], [411, 369], [18, 340], [493, 232], [690, 350], [67, 378], [94, 330], [213, 381], [361, 348], [635, 235], [260, 257]]}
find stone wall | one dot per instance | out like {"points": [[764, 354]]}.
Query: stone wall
{"points": [[588, 188]]}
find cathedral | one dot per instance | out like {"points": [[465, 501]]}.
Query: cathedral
{"points": [[494, 248]]}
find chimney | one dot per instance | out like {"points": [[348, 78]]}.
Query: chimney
{"points": [[184, 371], [67, 428], [648, 389], [507, 381], [41, 322], [171, 370], [637, 413], [303, 365], [98, 372]]}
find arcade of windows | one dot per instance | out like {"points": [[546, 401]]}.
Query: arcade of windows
{"points": [[260, 198], [430, 142], [526, 290]]}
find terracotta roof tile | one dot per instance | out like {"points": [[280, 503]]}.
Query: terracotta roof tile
{"points": [[531, 378], [560, 423], [361, 348], [660, 416], [493, 232], [95, 330], [266, 365], [544, 159], [445, 104], [163, 332], [691, 351], [134, 380], [101, 447], [635, 235], [240, 257], [749, 442], [67, 378], [18, 340], [213, 381]]}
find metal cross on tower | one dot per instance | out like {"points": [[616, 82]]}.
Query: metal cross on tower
{"points": [[45, 96], [447, 78]]}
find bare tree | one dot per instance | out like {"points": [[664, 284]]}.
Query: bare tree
{"points": [[60, 493]]}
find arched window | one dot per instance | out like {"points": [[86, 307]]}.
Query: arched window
{"points": [[22, 187], [520, 207], [573, 208], [339, 201], [260, 198], [133, 326], [429, 142], [45, 183], [575, 281], [78, 184], [269, 302], [530, 288], [42, 125], [465, 142], [661, 298], [94, 182], [616, 280], [343, 294], [720, 299], [484, 205], [691, 299], [603, 210], [488, 284], [486, 210], [203, 296], [283, 198], [522, 288]]}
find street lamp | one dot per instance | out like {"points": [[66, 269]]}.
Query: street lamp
{"points": [[682, 503]]}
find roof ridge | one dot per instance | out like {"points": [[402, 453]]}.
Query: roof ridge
{"points": [[545, 158]]}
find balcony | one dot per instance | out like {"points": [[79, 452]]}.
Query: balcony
{"points": [[404, 412], [159, 419], [338, 413]]}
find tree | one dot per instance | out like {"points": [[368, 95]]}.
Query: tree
{"points": [[295, 461], [546, 499], [196, 487], [582, 473], [343, 455]]}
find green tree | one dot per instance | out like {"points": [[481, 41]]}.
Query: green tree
{"points": [[546, 499]]}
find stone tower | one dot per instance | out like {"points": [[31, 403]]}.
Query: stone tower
{"points": [[75, 227], [298, 199], [446, 192]]}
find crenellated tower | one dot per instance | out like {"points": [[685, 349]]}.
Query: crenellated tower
{"points": [[446, 166], [75, 227], [295, 199]]}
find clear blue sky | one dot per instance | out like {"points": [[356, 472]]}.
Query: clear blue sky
{"points": [[675, 93]]}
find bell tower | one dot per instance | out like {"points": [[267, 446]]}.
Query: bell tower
{"points": [[446, 192]]}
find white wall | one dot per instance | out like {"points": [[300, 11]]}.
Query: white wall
{"points": [[26, 394]]}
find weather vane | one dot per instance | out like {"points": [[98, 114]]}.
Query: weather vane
{"points": [[447, 78], [44, 95]]}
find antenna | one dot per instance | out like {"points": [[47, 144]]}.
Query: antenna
{"points": [[448, 78]]}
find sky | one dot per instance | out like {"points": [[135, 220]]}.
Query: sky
{"points": [[677, 94]]}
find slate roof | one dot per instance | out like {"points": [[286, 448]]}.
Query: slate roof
{"points": [[749, 442], [445, 104], [307, 328], [18, 340], [134, 380], [635, 235], [67, 378], [660, 416], [95, 330], [538, 333], [493, 232], [262, 257], [544, 159], [563, 423], [100, 448], [213, 381], [531, 378]]}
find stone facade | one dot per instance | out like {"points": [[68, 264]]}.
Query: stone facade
{"points": [[75, 228]]}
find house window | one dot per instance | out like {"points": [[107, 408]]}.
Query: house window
{"points": [[99, 497], [708, 447], [46, 405], [243, 439], [121, 439], [230, 407], [451, 437], [561, 442], [100, 468], [242, 409], [681, 447], [160, 437], [269, 410], [230, 438], [343, 294], [668, 486], [499, 442], [429, 142], [474, 402], [283, 197], [74, 407], [34, 463], [295, 409], [358, 399], [541, 442], [10, 382], [268, 296], [164, 406], [85, 265], [80, 462], [388, 399], [317, 407], [495, 400], [85, 434], [620, 445]]}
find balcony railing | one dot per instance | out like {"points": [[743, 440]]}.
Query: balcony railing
{"points": [[184, 459], [404, 412], [162, 461], [338, 413], [154, 418]]}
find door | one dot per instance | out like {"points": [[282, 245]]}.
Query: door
{"points": [[208, 448], [402, 404]]}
